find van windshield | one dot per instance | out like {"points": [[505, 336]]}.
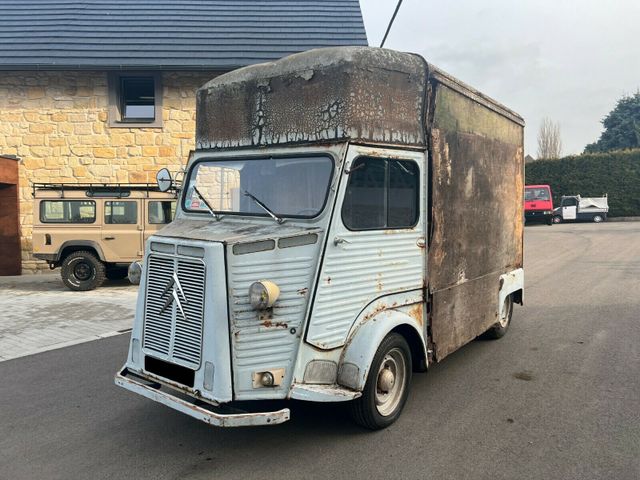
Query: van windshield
{"points": [[531, 194], [287, 186]]}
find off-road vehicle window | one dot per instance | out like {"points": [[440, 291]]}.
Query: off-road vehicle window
{"points": [[161, 212], [67, 211], [120, 212], [381, 194]]}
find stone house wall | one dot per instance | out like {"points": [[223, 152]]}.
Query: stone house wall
{"points": [[57, 123]]}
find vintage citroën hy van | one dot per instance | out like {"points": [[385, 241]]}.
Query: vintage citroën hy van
{"points": [[350, 216]]}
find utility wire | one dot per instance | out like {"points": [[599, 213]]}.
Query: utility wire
{"points": [[391, 23]]}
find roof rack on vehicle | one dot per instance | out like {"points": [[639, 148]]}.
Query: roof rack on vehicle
{"points": [[112, 190]]}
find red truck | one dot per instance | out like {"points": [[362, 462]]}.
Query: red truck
{"points": [[538, 204]]}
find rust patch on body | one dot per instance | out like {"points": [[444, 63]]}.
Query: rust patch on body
{"points": [[416, 312], [342, 93], [378, 308], [303, 291], [270, 324]]}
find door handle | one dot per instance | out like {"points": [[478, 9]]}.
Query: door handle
{"points": [[109, 238], [421, 242], [339, 240]]}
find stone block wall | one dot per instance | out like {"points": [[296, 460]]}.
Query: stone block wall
{"points": [[57, 123]]}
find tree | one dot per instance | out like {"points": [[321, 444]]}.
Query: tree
{"points": [[621, 127], [549, 141]]}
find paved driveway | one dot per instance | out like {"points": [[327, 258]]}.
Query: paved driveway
{"points": [[557, 398], [38, 313]]}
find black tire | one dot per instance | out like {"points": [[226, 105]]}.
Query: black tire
{"points": [[557, 219], [550, 221], [364, 410], [116, 273], [500, 328], [598, 219], [82, 271]]}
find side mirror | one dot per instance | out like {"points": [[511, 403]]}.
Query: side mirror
{"points": [[164, 180]]}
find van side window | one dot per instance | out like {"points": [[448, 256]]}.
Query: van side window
{"points": [[161, 212], [381, 194], [118, 212], [67, 211]]}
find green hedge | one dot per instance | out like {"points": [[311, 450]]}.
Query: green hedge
{"points": [[615, 173]]}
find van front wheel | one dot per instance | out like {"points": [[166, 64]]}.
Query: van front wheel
{"points": [[387, 387]]}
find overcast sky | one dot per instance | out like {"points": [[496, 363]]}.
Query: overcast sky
{"points": [[566, 60]]}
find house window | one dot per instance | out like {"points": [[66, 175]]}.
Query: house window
{"points": [[135, 99]]}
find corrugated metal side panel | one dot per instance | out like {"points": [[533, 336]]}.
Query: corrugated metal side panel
{"points": [[372, 264], [189, 33], [269, 339]]}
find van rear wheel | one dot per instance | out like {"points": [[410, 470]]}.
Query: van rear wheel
{"points": [[82, 271], [504, 320], [387, 387]]}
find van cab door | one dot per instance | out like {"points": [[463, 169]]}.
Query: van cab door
{"points": [[122, 230], [375, 252], [569, 208]]}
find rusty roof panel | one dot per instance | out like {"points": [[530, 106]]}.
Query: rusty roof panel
{"points": [[349, 93]]}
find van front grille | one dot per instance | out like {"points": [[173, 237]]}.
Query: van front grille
{"points": [[174, 309]]}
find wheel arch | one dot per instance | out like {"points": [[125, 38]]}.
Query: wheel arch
{"points": [[511, 283], [71, 246], [365, 339]]}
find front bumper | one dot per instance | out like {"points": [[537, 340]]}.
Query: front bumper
{"points": [[152, 391], [538, 215]]}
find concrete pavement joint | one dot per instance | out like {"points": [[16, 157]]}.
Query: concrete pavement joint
{"points": [[56, 346]]}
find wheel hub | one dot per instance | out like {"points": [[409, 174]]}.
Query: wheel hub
{"points": [[386, 380], [82, 271], [391, 382]]}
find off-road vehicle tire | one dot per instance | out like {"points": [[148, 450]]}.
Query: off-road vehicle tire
{"points": [[82, 271], [501, 327], [557, 219], [116, 273], [377, 409]]}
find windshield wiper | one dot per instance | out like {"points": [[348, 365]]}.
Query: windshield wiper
{"points": [[263, 206], [204, 200]]}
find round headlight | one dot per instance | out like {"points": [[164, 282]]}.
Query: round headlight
{"points": [[263, 294], [135, 272]]}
